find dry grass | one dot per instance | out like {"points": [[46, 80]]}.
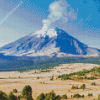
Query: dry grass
{"points": [[44, 85]]}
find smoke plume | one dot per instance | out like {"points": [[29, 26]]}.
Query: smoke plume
{"points": [[60, 14]]}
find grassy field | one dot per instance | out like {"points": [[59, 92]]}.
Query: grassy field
{"points": [[46, 80]]}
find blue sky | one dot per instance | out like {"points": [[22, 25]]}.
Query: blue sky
{"points": [[28, 17]]}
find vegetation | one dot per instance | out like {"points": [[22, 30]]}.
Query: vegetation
{"points": [[12, 97], [51, 78], [41, 97], [51, 96], [74, 87], [83, 87], [27, 95], [15, 91], [3, 96], [78, 96], [37, 77], [48, 96], [90, 94], [98, 97], [64, 96], [29, 63], [27, 92], [93, 83], [82, 75]]}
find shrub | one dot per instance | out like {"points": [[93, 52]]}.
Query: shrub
{"points": [[65, 77], [51, 78], [90, 94], [89, 78], [3, 96], [80, 73], [83, 86], [51, 96], [37, 77], [98, 97], [78, 96], [64, 96], [15, 91], [57, 97], [74, 87], [12, 97], [19, 97], [92, 78], [41, 97], [93, 83]]}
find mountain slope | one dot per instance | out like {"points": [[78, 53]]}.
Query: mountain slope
{"points": [[54, 42]]}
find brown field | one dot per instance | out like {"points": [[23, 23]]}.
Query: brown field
{"points": [[12, 80]]}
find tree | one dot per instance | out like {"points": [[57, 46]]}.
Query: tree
{"points": [[27, 92], [3, 96], [12, 97]]}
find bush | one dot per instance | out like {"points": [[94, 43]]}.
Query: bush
{"points": [[90, 78], [12, 97], [93, 83], [37, 77], [41, 97], [83, 86], [64, 96], [74, 87], [3, 96], [57, 97], [90, 94], [51, 96], [15, 91], [78, 96], [51, 78], [19, 97], [65, 77]]}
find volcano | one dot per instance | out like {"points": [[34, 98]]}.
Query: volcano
{"points": [[52, 43]]}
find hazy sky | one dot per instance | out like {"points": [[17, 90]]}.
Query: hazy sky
{"points": [[79, 18]]}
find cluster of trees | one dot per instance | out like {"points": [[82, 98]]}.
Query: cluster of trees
{"points": [[80, 75], [3, 96], [30, 63], [26, 94], [48, 96]]}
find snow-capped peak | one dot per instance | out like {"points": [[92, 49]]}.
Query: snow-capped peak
{"points": [[50, 32]]}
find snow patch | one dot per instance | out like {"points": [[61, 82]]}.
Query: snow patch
{"points": [[42, 33]]}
